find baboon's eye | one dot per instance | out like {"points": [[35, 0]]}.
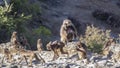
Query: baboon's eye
{"points": [[65, 23]]}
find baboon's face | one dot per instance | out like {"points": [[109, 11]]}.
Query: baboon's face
{"points": [[68, 26], [14, 33], [79, 44], [66, 22]]}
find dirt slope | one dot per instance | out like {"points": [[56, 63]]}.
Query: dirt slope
{"points": [[54, 12]]}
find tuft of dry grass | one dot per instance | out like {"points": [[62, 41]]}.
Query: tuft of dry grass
{"points": [[95, 38]]}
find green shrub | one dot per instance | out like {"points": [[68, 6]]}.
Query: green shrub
{"points": [[25, 6], [95, 38], [10, 22], [42, 31]]}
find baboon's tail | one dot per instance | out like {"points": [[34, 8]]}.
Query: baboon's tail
{"points": [[39, 58]]}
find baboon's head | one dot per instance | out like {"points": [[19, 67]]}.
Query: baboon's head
{"points": [[79, 44], [67, 22], [68, 25], [48, 46], [14, 33], [39, 41]]}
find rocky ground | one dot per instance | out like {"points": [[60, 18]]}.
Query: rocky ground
{"points": [[94, 60], [80, 11]]}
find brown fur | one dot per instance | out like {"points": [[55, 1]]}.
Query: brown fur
{"points": [[10, 52], [39, 45], [56, 47], [14, 38], [7, 54], [107, 45], [67, 31], [81, 48], [23, 52], [81, 53], [30, 55]]}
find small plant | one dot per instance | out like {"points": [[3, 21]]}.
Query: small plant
{"points": [[15, 16], [95, 38], [42, 31]]}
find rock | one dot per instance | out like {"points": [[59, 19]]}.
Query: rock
{"points": [[5, 45], [102, 63], [115, 49], [91, 65], [47, 55], [95, 60], [15, 66]]}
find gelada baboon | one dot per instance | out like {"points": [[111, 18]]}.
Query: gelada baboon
{"points": [[7, 54], [39, 45], [29, 55], [110, 42], [81, 48], [68, 31], [56, 47], [14, 38]]}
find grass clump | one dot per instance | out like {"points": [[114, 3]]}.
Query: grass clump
{"points": [[95, 38]]}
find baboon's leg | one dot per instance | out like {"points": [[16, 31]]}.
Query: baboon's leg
{"points": [[43, 61], [62, 51], [55, 54], [69, 53], [80, 55], [105, 52], [10, 57], [20, 60], [2, 59], [64, 40], [26, 59]]}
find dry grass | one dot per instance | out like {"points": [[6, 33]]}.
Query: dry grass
{"points": [[95, 38]]}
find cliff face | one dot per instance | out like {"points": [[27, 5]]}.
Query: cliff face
{"points": [[80, 12]]}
